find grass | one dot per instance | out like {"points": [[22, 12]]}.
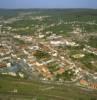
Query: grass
{"points": [[93, 41], [40, 91]]}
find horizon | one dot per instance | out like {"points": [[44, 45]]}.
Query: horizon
{"points": [[47, 8], [48, 4]]}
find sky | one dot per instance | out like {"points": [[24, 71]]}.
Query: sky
{"points": [[48, 4]]}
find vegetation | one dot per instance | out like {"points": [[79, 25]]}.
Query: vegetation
{"points": [[64, 20], [67, 75], [41, 54], [36, 89], [93, 41], [87, 61], [53, 67]]}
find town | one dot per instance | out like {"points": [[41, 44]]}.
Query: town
{"points": [[47, 56], [42, 46]]}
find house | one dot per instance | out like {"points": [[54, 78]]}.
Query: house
{"points": [[44, 46], [61, 70], [2, 65], [56, 43], [83, 82], [93, 85]]}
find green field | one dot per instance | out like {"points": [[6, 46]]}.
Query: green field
{"points": [[36, 90]]}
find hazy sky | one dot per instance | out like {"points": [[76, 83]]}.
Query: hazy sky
{"points": [[48, 3]]}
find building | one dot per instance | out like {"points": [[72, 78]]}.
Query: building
{"points": [[83, 82], [2, 65], [93, 85]]}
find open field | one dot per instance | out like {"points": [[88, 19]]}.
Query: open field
{"points": [[16, 89]]}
